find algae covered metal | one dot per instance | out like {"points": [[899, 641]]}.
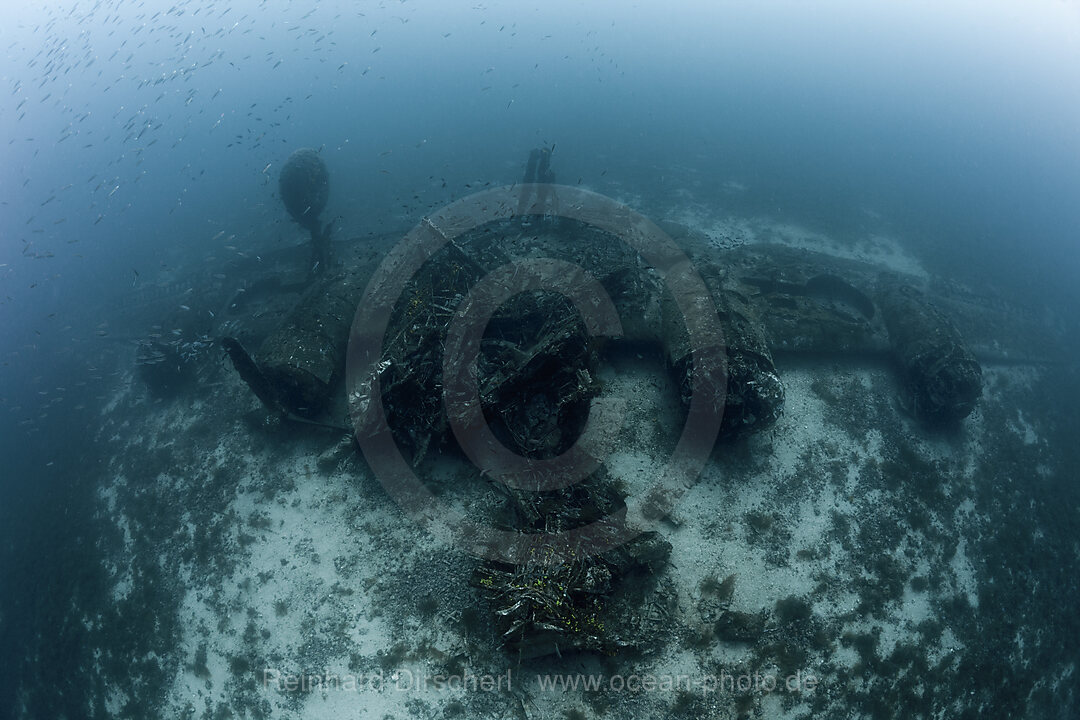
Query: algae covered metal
{"points": [[941, 379]]}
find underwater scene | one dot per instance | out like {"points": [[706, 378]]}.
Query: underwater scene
{"points": [[571, 359]]}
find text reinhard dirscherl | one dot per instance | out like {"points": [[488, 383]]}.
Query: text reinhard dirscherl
{"points": [[412, 681]]}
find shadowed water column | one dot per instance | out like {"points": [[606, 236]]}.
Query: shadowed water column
{"points": [[305, 186]]}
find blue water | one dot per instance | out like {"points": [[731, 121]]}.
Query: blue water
{"points": [[143, 137]]}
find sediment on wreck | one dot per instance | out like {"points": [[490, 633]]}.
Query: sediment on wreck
{"points": [[304, 357], [752, 396], [536, 361], [941, 380]]}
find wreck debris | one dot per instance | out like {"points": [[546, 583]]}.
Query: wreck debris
{"points": [[538, 180], [263, 388], [410, 368], [565, 598], [810, 304], [941, 378], [532, 371], [249, 372], [754, 395], [537, 361], [535, 368], [304, 185], [304, 358]]}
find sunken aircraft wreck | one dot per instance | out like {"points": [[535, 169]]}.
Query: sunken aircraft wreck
{"points": [[529, 261]]}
